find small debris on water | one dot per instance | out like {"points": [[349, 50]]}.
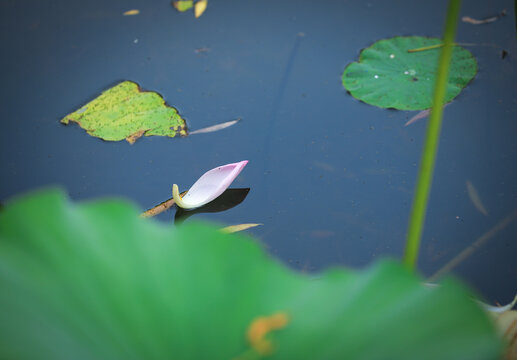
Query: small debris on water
{"points": [[421, 115], [376, 76], [202, 50], [131, 12], [135, 41], [475, 198], [487, 20], [392, 56], [214, 128]]}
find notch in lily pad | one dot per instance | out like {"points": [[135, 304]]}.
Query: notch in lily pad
{"points": [[388, 76], [126, 112]]}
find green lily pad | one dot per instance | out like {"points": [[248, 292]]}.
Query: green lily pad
{"points": [[95, 281], [126, 112], [388, 76]]}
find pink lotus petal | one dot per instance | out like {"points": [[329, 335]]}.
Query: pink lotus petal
{"points": [[209, 186]]}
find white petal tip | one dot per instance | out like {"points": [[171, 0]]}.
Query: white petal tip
{"points": [[177, 197]]}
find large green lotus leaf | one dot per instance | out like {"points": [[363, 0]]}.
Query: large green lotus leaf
{"points": [[126, 112], [95, 281], [388, 76]]}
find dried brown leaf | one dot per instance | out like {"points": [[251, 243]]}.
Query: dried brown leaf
{"points": [[131, 12], [214, 128], [475, 198], [487, 20], [200, 7], [236, 228]]}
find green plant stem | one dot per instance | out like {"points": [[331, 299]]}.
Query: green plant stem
{"points": [[425, 172]]}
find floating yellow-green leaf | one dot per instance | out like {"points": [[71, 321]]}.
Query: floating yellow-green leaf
{"points": [[389, 76], [235, 228], [183, 5], [127, 112], [200, 8], [131, 12]]}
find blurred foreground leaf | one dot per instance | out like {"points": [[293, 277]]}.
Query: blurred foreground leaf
{"points": [[95, 281], [388, 76], [126, 112]]}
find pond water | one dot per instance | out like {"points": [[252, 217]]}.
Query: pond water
{"points": [[330, 178]]}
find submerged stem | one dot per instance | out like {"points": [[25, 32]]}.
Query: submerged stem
{"points": [[161, 207], [501, 225], [425, 172], [430, 47]]}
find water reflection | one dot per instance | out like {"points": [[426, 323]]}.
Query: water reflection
{"points": [[228, 199]]}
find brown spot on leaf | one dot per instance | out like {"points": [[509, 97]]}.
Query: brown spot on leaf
{"points": [[134, 137]]}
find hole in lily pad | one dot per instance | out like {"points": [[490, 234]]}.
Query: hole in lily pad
{"points": [[388, 76]]}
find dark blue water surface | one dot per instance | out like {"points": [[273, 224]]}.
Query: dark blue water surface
{"points": [[331, 178]]}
